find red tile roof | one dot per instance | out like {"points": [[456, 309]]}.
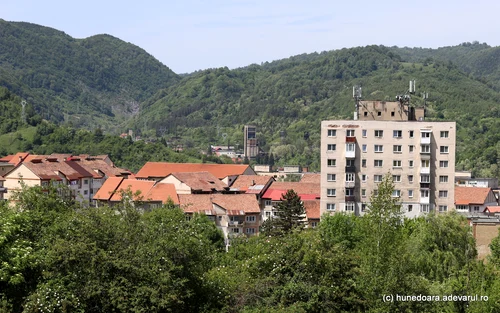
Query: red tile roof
{"points": [[48, 170], [312, 209], [471, 195], [492, 209], [235, 204], [163, 169], [163, 192], [200, 181], [311, 178], [298, 187], [108, 188], [139, 189], [253, 184]]}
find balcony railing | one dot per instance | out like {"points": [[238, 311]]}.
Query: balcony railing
{"points": [[350, 184], [350, 169], [425, 170], [425, 200], [425, 185], [425, 140], [350, 139], [350, 198]]}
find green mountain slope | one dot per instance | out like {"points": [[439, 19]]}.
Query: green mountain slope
{"points": [[92, 81]]}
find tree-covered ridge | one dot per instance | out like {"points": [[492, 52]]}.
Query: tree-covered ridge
{"points": [[60, 76]]}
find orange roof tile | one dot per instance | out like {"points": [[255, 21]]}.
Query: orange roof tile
{"points": [[229, 202], [142, 187], [47, 170], [197, 204], [162, 192], [471, 195], [245, 181], [108, 188], [312, 209], [163, 169], [298, 187], [201, 181], [311, 178], [492, 209]]}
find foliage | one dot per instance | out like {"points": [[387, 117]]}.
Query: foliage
{"points": [[290, 213]]}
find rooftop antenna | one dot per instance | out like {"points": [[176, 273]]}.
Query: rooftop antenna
{"points": [[23, 111], [356, 94]]}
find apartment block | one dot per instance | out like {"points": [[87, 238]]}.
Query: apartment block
{"points": [[357, 154]]}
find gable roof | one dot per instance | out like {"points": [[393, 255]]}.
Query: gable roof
{"points": [[492, 209], [234, 204], [162, 192], [150, 191], [299, 187], [139, 189], [108, 188], [311, 178], [312, 208], [163, 169], [200, 181], [49, 170], [253, 184], [471, 195]]}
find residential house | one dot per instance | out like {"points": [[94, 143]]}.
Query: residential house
{"points": [[474, 200], [225, 172], [492, 210], [484, 229], [252, 184], [195, 182], [312, 212]]}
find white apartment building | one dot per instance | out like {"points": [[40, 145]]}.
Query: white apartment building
{"points": [[357, 154]]}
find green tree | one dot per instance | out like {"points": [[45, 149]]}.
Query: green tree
{"points": [[290, 213]]}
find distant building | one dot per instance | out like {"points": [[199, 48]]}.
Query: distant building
{"points": [[250, 143]]}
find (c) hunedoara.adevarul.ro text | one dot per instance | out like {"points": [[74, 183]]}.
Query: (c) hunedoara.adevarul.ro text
{"points": [[422, 298]]}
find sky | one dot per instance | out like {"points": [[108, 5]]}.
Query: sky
{"points": [[192, 35]]}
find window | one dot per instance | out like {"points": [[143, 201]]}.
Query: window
{"points": [[444, 134], [330, 206], [397, 148], [74, 182], [349, 163], [363, 162], [235, 230], [331, 177], [350, 133], [410, 163], [349, 147], [410, 178], [267, 203], [349, 192], [250, 231], [349, 177], [378, 163], [424, 207], [410, 207], [410, 193], [396, 163], [396, 178], [363, 207], [443, 149], [375, 192], [425, 163], [363, 178], [268, 214], [476, 208], [397, 134], [425, 148], [411, 148], [377, 178], [363, 192], [331, 192], [250, 219], [332, 162], [462, 207], [424, 193], [443, 208], [411, 133], [85, 181], [85, 192], [443, 163], [425, 134], [331, 147], [425, 178], [396, 193], [443, 193], [443, 179], [379, 133], [363, 148], [349, 206], [379, 148], [363, 132], [332, 133], [392, 113], [314, 224]]}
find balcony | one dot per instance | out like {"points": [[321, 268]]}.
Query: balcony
{"points": [[235, 223], [350, 184], [425, 185], [425, 137], [350, 198], [425, 170], [425, 200], [350, 169], [350, 139]]}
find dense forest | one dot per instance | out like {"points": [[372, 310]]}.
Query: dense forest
{"points": [[102, 84], [58, 257]]}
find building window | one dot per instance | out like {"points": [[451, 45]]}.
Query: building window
{"points": [[392, 113], [443, 193], [250, 219], [250, 231], [379, 133], [85, 192], [363, 147], [331, 177], [349, 177], [397, 134], [396, 193], [411, 133], [379, 113], [476, 208], [396, 178], [424, 193], [462, 207], [378, 163], [379, 148], [425, 163], [331, 192], [314, 224], [349, 206], [267, 203], [443, 149], [443, 163], [363, 207], [375, 192], [235, 230], [410, 207], [396, 163], [363, 133], [332, 162], [425, 178], [443, 179], [85, 181], [410, 163], [330, 206], [397, 148], [350, 133], [363, 178], [363, 192], [424, 208], [349, 192], [410, 193], [331, 147], [425, 149], [425, 134], [363, 162], [410, 178], [349, 163], [444, 134], [349, 147], [411, 148], [268, 214], [377, 178], [332, 133], [443, 208]]}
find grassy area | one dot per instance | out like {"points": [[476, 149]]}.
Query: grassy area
{"points": [[13, 142]]}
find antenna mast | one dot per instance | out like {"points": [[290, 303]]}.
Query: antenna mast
{"points": [[23, 111], [356, 94]]}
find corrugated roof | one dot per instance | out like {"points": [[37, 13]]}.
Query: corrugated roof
{"points": [[200, 181], [163, 169], [471, 195], [108, 188], [312, 208]]}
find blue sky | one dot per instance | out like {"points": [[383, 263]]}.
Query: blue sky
{"points": [[190, 35]]}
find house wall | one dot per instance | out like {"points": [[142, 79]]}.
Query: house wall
{"points": [[12, 180], [484, 233], [180, 187]]}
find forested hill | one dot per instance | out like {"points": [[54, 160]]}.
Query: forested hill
{"points": [[94, 81]]}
